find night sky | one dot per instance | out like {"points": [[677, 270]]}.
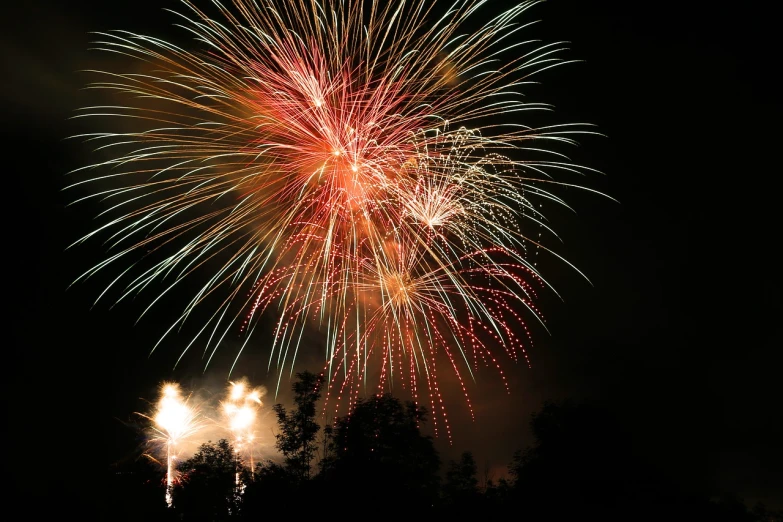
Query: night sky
{"points": [[679, 333]]}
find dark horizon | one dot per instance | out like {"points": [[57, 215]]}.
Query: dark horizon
{"points": [[679, 333]]}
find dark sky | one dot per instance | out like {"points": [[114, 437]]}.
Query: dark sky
{"points": [[680, 332]]}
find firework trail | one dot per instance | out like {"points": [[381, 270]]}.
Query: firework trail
{"points": [[173, 422], [356, 168]]}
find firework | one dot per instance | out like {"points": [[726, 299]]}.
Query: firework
{"points": [[240, 410], [174, 421], [360, 169]]}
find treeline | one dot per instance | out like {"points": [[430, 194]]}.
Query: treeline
{"points": [[376, 463]]}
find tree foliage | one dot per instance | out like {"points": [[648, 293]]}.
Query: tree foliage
{"points": [[380, 449], [208, 489], [299, 428], [460, 489]]}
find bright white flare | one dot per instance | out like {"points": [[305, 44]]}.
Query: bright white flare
{"points": [[174, 421], [241, 412]]}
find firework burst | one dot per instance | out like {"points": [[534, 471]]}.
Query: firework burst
{"points": [[357, 168]]}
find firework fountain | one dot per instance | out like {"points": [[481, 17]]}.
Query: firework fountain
{"points": [[241, 412], [174, 421]]}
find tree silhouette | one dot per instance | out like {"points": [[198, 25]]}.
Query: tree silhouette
{"points": [[272, 485], [460, 489], [208, 489], [380, 454], [298, 428], [761, 514], [583, 466]]}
